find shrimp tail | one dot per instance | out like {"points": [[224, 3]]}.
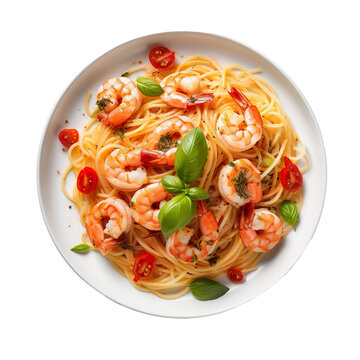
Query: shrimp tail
{"points": [[246, 105], [200, 99], [153, 157], [247, 215], [239, 98]]}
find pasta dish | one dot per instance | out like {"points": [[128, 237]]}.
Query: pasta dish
{"points": [[186, 174]]}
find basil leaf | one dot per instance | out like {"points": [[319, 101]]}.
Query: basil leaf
{"points": [[172, 184], [81, 248], [148, 87], [289, 212], [206, 289], [175, 214], [196, 193], [191, 156]]}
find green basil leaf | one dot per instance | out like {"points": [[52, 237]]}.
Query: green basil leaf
{"points": [[206, 289], [289, 212], [196, 193], [191, 156], [148, 87], [175, 214], [81, 248], [172, 184]]}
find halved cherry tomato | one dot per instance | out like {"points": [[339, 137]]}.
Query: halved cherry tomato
{"points": [[290, 176], [235, 275], [161, 57], [144, 266], [68, 137], [87, 180]]}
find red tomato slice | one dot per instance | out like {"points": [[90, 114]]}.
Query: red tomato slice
{"points": [[68, 137], [235, 275], [161, 57], [290, 176], [144, 266], [87, 180]]}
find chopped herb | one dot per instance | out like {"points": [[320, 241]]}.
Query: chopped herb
{"points": [[124, 245], [212, 261], [194, 259], [131, 204], [121, 133], [240, 182], [125, 73], [165, 143], [192, 99], [270, 147], [102, 103], [232, 164]]}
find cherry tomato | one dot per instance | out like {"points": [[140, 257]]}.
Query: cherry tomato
{"points": [[87, 180], [68, 137], [235, 275], [290, 176], [144, 266], [161, 57]]}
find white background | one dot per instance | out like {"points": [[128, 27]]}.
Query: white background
{"points": [[47, 311]]}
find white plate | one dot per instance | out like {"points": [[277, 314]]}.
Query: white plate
{"points": [[63, 223]]}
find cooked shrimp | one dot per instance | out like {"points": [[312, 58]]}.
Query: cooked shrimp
{"points": [[146, 204], [107, 221], [124, 168], [183, 89], [118, 99], [240, 132], [260, 229], [239, 183], [169, 133], [178, 243]]}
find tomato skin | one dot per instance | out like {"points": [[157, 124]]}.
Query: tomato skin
{"points": [[235, 275], [144, 266], [87, 180], [290, 176], [68, 137], [161, 57]]}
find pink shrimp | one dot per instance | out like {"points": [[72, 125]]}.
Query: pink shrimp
{"points": [[183, 90], [124, 168], [178, 243], [106, 222], [239, 183], [118, 98], [240, 132], [260, 229]]}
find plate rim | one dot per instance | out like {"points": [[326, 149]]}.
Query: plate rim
{"points": [[246, 47]]}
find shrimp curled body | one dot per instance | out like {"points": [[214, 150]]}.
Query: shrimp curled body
{"points": [[178, 243], [124, 168], [119, 99], [260, 229], [183, 90], [239, 183], [146, 204], [240, 132], [172, 130], [106, 222]]}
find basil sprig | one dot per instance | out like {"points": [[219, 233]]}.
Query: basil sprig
{"points": [[190, 159], [206, 289], [175, 214], [81, 248], [289, 212], [148, 87], [191, 156]]}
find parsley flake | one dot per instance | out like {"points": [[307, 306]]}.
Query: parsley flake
{"points": [[240, 182], [102, 103]]}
